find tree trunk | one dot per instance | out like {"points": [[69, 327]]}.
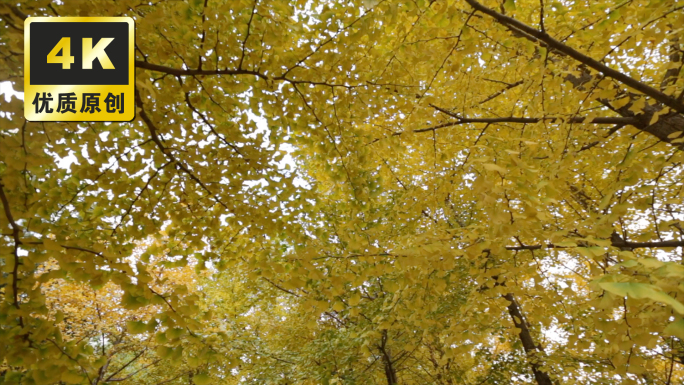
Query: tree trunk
{"points": [[390, 372], [529, 346]]}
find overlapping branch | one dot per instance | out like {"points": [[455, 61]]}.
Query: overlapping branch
{"points": [[514, 119], [662, 128], [614, 243], [167, 152], [580, 57], [192, 72]]}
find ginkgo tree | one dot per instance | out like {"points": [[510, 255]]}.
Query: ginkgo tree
{"points": [[112, 343], [479, 192]]}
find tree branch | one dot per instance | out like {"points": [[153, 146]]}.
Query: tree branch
{"points": [[155, 362], [614, 243], [166, 151], [130, 208], [126, 365], [526, 339], [249, 25], [16, 233], [280, 288], [191, 72], [619, 120], [580, 57]]}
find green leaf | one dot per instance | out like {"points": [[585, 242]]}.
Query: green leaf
{"points": [[509, 5], [628, 263], [201, 379], [136, 327], [641, 291], [671, 270], [494, 167], [164, 351], [652, 263]]}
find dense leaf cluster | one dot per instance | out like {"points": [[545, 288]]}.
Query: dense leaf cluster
{"points": [[354, 192]]}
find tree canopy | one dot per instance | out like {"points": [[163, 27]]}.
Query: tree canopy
{"points": [[354, 192]]}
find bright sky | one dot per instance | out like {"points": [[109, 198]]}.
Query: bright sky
{"points": [[7, 90]]}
